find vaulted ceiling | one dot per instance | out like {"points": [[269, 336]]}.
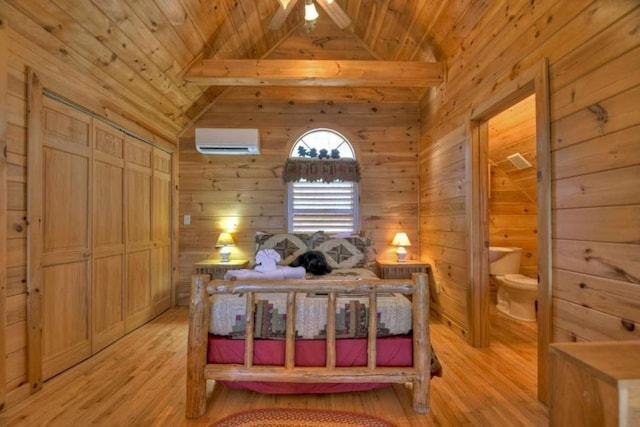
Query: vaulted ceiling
{"points": [[178, 56]]}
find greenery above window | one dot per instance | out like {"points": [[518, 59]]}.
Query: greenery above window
{"points": [[322, 143], [326, 170]]}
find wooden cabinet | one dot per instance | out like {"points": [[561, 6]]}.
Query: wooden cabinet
{"points": [[400, 270], [595, 384], [217, 268]]}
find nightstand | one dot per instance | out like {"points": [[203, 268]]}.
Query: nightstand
{"points": [[400, 270], [217, 268]]}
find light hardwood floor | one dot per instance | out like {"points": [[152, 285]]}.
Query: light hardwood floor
{"points": [[140, 381]]}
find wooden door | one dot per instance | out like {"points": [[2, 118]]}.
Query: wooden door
{"points": [[161, 232], [66, 237], [138, 161], [108, 236]]}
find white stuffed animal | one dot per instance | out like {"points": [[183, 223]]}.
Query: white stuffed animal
{"points": [[267, 260]]}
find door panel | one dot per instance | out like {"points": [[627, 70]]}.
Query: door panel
{"points": [[107, 301], [161, 232], [65, 331], [161, 279], [66, 243], [66, 201], [108, 236], [138, 195], [138, 289]]}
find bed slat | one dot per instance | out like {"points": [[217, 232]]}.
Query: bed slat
{"points": [[249, 329], [372, 330], [331, 330], [290, 349]]}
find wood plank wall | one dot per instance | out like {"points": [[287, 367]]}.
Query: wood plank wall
{"points": [[593, 49], [246, 193], [58, 78]]}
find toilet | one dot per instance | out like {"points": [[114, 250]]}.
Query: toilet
{"points": [[516, 293]]}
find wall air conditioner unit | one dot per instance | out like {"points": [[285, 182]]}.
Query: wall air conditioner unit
{"points": [[227, 141]]}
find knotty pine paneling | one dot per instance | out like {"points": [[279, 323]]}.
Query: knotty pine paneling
{"points": [[248, 192], [593, 50]]}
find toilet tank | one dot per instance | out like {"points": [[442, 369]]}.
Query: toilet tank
{"points": [[507, 260]]}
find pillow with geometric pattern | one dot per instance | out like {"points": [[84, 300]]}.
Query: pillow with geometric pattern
{"points": [[288, 245], [344, 252]]}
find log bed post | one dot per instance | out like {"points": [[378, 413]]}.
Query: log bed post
{"points": [[421, 344], [197, 347]]}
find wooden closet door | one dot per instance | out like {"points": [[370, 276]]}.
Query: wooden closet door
{"points": [[66, 245], [161, 232], [138, 161], [108, 236]]}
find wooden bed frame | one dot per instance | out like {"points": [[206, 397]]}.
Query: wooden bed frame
{"points": [[199, 371]]}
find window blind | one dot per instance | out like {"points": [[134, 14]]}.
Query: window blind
{"points": [[331, 207]]}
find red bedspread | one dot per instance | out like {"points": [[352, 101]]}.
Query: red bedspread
{"points": [[391, 351]]}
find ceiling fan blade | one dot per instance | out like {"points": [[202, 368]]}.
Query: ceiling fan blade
{"points": [[336, 13], [286, 6]]}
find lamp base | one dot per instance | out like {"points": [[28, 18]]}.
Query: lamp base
{"points": [[224, 254], [402, 254]]}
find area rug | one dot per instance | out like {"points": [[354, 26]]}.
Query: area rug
{"points": [[289, 417]]}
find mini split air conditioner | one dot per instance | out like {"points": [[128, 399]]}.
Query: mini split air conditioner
{"points": [[227, 141]]}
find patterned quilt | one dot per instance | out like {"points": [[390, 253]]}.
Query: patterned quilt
{"points": [[352, 314]]}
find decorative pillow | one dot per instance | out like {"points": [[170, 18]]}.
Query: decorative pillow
{"points": [[346, 252], [288, 245]]}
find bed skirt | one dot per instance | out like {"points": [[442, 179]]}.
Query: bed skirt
{"points": [[391, 351]]}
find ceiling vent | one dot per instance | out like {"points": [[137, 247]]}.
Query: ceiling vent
{"points": [[229, 141], [519, 161]]}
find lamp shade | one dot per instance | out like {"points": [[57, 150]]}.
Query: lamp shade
{"points": [[224, 239], [401, 239]]}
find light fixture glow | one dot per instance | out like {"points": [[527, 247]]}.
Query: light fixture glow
{"points": [[401, 240], [310, 11]]}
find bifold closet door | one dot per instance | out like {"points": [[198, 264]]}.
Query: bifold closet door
{"points": [[108, 236], [138, 166], [161, 232], [66, 237]]}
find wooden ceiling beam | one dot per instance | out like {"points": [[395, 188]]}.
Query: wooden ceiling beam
{"points": [[305, 72], [286, 6], [336, 13]]}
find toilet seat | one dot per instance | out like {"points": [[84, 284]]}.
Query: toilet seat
{"points": [[520, 281]]}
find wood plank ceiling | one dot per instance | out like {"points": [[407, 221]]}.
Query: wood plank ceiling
{"points": [[148, 52]]}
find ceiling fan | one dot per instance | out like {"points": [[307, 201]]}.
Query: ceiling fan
{"points": [[332, 9]]}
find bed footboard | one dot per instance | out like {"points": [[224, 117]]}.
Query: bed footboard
{"points": [[199, 371]]}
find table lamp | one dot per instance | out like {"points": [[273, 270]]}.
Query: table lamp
{"points": [[401, 240], [225, 241]]}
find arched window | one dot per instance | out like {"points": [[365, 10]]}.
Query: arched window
{"points": [[320, 205]]}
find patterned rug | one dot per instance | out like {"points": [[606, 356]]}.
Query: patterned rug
{"points": [[300, 418]]}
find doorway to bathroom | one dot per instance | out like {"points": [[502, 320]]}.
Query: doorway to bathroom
{"points": [[510, 207], [512, 211]]}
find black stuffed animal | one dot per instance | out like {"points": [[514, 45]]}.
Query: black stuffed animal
{"points": [[313, 262]]}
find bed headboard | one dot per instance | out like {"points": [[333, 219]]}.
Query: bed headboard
{"points": [[341, 252]]}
